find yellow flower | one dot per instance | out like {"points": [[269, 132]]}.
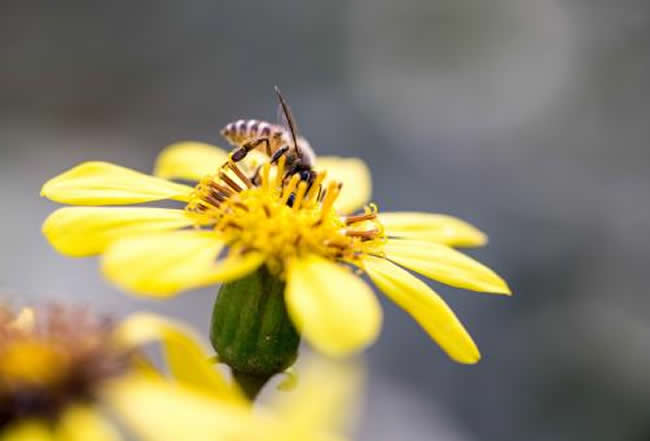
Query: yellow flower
{"points": [[60, 367], [152, 251]]}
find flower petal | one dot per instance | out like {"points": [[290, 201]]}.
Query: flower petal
{"points": [[186, 358], [425, 306], [103, 183], [355, 176], [160, 411], [440, 228], [333, 308], [84, 231], [164, 264], [317, 407], [446, 265], [189, 160], [83, 424], [33, 430]]}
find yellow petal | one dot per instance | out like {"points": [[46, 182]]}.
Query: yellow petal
{"points": [[164, 264], [103, 183], [440, 228], [186, 358], [317, 407], [84, 231], [160, 411], [355, 176], [84, 424], [445, 265], [425, 306], [33, 430], [189, 160], [333, 308]]}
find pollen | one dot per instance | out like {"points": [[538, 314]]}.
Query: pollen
{"points": [[282, 216]]}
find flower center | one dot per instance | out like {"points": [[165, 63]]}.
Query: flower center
{"points": [[282, 216], [58, 358]]}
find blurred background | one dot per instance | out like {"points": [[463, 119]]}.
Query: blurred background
{"points": [[529, 118]]}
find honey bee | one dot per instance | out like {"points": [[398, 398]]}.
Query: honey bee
{"points": [[276, 141]]}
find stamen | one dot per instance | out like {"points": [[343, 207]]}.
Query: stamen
{"points": [[240, 174], [280, 171], [369, 234], [266, 169], [234, 225], [315, 187], [336, 245], [225, 190], [330, 197], [241, 205], [199, 207], [302, 188], [214, 200], [360, 218], [224, 177], [289, 189]]}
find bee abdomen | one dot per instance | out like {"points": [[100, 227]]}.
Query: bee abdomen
{"points": [[243, 131]]}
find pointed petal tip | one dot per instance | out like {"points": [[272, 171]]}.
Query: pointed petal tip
{"points": [[44, 193], [471, 359], [501, 288], [474, 237], [480, 239], [470, 355]]}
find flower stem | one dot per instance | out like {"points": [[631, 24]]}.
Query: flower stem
{"points": [[251, 385]]}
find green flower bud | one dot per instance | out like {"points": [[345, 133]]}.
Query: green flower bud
{"points": [[251, 330]]}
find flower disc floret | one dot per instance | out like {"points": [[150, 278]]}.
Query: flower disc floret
{"points": [[282, 218]]}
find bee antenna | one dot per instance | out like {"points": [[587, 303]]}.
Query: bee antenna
{"points": [[290, 121]]}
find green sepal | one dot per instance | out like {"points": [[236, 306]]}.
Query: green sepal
{"points": [[250, 328]]}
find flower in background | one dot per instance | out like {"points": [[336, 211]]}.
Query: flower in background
{"points": [[66, 374], [308, 243], [319, 408], [61, 368]]}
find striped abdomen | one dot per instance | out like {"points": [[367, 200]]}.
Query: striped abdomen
{"points": [[241, 132]]}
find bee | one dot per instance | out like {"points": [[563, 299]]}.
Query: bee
{"points": [[276, 141]]}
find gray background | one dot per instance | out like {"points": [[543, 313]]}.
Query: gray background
{"points": [[529, 118]]}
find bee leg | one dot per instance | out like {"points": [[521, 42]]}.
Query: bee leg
{"points": [[242, 151], [278, 153], [255, 179]]}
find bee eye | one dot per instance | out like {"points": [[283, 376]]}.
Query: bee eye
{"points": [[305, 175], [292, 198]]}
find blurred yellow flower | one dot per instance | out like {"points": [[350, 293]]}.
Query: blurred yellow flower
{"points": [[60, 367], [319, 408], [307, 242]]}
